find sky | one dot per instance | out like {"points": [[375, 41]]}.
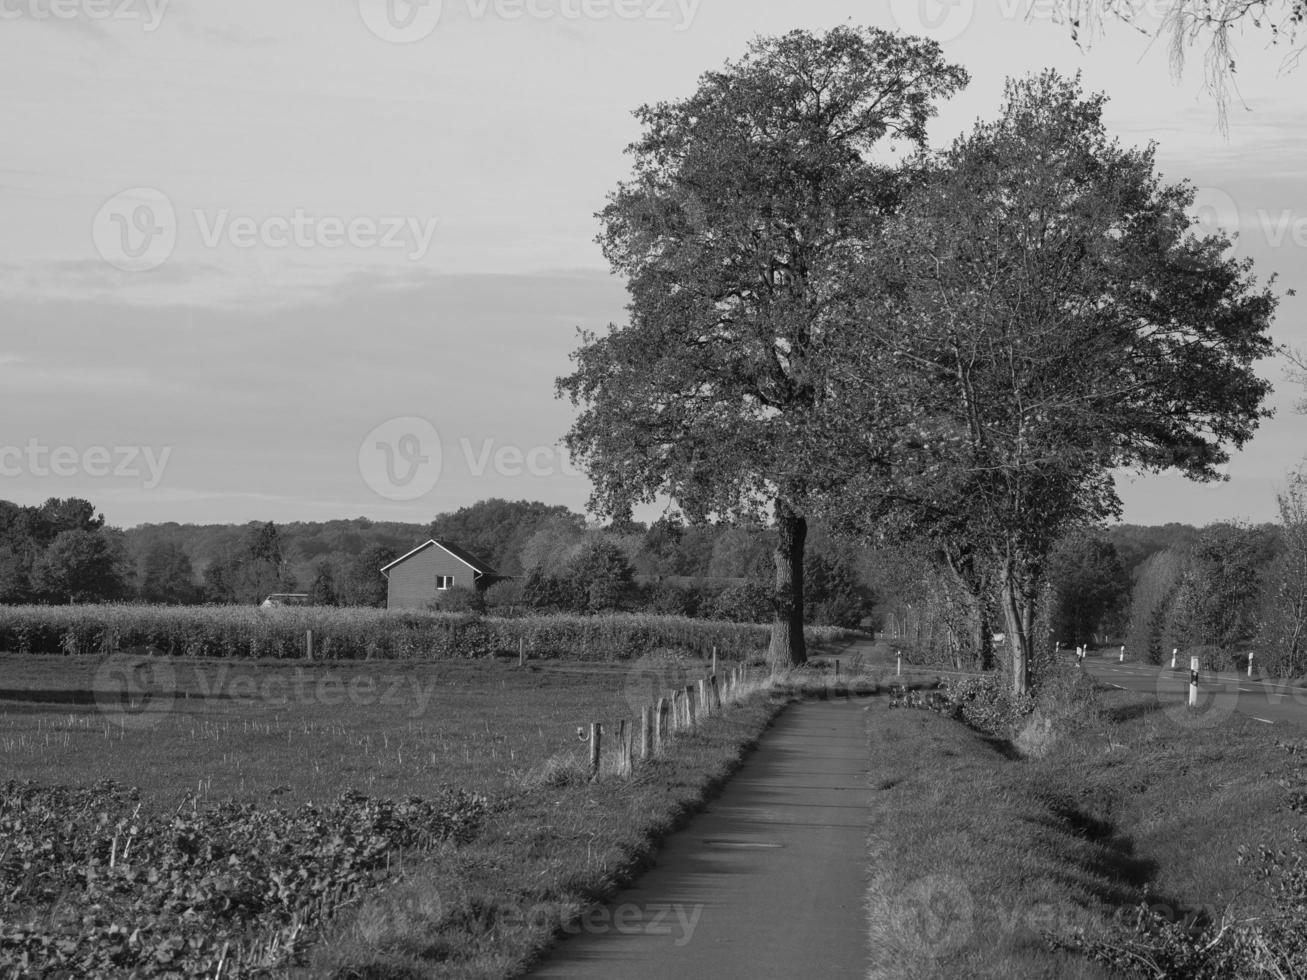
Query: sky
{"points": [[311, 259]]}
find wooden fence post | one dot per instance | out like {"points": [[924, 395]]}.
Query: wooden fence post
{"points": [[702, 697], [689, 707], [715, 694], [596, 736], [623, 748], [521, 651], [308, 645], [678, 710], [646, 731], [662, 724]]}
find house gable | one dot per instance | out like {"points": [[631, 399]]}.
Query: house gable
{"points": [[416, 580]]}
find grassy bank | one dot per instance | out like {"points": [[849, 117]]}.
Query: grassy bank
{"points": [[978, 856]]}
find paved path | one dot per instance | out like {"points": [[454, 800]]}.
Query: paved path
{"points": [[1268, 701], [766, 884]]}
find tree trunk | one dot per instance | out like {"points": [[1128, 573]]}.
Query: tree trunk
{"points": [[788, 648], [1018, 617], [984, 638]]}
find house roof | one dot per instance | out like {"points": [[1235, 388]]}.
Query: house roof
{"points": [[467, 558]]}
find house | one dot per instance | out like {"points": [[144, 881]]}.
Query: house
{"points": [[417, 579]]}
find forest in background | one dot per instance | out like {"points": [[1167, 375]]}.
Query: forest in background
{"points": [[1151, 588]]}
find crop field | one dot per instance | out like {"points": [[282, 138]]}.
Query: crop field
{"points": [[185, 817], [361, 634]]}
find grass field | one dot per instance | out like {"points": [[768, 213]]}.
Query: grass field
{"points": [[191, 735], [979, 855], [302, 733]]}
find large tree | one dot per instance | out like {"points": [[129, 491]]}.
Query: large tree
{"points": [[733, 234], [1052, 317], [1283, 632], [80, 566]]}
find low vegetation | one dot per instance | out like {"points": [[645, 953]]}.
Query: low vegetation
{"points": [[92, 886], [280, 633], [1106, 847]]}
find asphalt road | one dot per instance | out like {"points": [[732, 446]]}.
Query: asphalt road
{"points": [[1269, 701], [767, 883]]}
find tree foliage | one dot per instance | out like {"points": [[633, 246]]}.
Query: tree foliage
{"points": [[166, 576], [1049, 317], [1089, 588], [60, 552], [1152, 601], [249, 573], [733, 235], [1283, 632], [80, 566], [1218, 600], [496, 530]]}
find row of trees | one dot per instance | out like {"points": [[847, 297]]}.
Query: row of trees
{"points": [[959, 350], [1228, 588], [62, 552]]}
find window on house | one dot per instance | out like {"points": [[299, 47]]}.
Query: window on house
{"points": [[444, 582]]}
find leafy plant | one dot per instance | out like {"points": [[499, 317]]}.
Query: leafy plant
{"points": [[91, 886]]}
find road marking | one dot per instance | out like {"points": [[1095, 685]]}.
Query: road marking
{"points": [[1118, 687], [1264, 721]]}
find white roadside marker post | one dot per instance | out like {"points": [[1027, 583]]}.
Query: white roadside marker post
{"points": [[900, 663], [1122, 660], [1174, 653], [1193, 682]]}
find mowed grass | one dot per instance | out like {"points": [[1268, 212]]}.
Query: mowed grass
{"points": [[977, 855], [272, 734]]}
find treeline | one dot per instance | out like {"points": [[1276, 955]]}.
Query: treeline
{"points": [[1221, 590], [555, 562], [1217, 592]]}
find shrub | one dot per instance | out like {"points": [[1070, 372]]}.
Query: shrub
{"points": [[459, 600], [746, 603], [985, 703]]}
